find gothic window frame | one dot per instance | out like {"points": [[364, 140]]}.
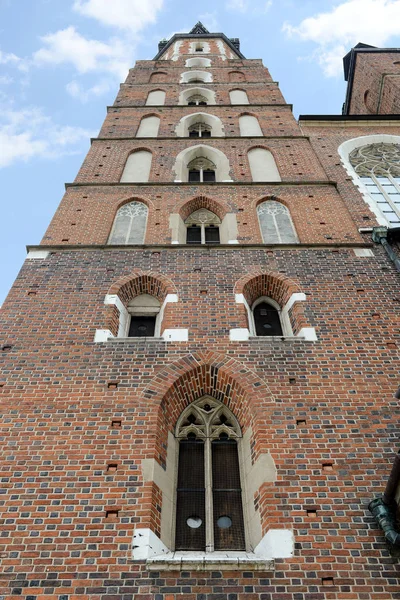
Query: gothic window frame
{"points": [[202, 164], [206, 428], [204, 219], [344, 151], [150, 308], [272, 208], [200, 127], [131, 210], [197, 100], [284, 322], [378, 162]]}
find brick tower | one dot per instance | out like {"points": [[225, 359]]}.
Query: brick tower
{"points": [[200, 358]]}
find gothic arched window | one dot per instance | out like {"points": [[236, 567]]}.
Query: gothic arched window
{"points": [[209, 511], [378, 167], [199, 130], [129, 224], [202, 227], [266, 316], [201, 170], [276, 223], [197, 100]]}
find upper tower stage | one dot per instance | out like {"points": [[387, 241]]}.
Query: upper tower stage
{"points": [[201, 41]]}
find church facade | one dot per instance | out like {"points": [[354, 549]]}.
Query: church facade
{"points": [[200, 365]]}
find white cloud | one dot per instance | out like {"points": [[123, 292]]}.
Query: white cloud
{"points": [[75, 90], [335, 32], [28, 134], [132, 15], [68, 46], [248, 6]]}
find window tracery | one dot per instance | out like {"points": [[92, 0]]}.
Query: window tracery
{"points": [[378, 167], [209, 513], [201, 170], [129, 224], [276, 223], [199, 129], [202, 227]]}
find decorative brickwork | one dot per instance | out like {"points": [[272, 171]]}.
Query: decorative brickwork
{"points": [[86, 425]]}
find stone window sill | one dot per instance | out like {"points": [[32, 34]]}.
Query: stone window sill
{"points": [[209, 561]]}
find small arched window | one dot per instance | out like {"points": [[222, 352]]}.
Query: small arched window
{"points": [[129, 224], [155, 98], [199, 48], [236, 76], [143, 311], [262, 165], [201, 170], [197, 100], [199, 130], [209, 511], [137, 167], [276, 223], [266, 316], [202, 227]]}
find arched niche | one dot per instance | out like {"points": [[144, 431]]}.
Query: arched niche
{"points": [[217, 128], [159, 77], [238, 97], [228, 229], [249, 126], [137, 167], [156, 98], [262, 165], [203, 76], [213, 155], [149, 126], [209, 95], [198, 62]]}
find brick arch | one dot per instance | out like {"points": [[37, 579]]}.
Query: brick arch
{"points": [[122, 203], [139, 149], [274, 285], [255, 146], [142, 282], [271, 197], [206, 373], [187, 207], [151, 114]]}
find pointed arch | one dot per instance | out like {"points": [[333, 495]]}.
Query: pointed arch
{"points": [[275, 222], [130, 222], [159, 77], [215, 156], [156, 98], [262, 164], [204, 76], [148, 126], [209, 95], [238, 96], [198, 62], [217, 127], [138, 166]]}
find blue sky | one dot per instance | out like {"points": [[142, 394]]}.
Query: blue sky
{"points": [[61, 62]]}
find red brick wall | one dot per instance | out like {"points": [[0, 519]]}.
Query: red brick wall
{"points": [[324, 410], [376, 84]]}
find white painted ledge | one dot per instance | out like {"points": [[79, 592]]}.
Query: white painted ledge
{"points": [[239, 335], [175, 335], [363, 252], [37, 254], [277, 543], [309, 334], [102, 335]]}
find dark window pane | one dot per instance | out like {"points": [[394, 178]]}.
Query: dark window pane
{"points": [[212, 235], [193, 235], [190, 510], [142, 327], [194, 175], [227, 496], [191, 103], [194, 134], [206, 134], [267, 320], [202, 103], [208, 175]]}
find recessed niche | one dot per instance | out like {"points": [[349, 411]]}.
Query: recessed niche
{"points": [[112, 385], [112, 514], [116, 423], [112, 467]]}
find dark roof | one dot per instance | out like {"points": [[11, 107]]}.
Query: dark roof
{"points": [[199, 31]]}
